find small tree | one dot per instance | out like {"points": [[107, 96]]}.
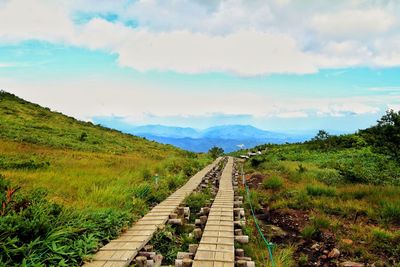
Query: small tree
{"points": [[385, 136], [215, 152], [322, 135], [83, 137]]}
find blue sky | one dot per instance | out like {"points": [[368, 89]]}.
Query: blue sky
{"points": [[205, 63]]}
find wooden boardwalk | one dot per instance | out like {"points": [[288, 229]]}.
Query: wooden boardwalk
{"points": [[121, 251], [216, 248]]}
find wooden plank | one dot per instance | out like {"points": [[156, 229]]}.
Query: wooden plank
{"points": [[121, 251], [216, 246]]}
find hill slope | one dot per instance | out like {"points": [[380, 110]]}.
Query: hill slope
{"points": [[23, 121], [68, 186]]}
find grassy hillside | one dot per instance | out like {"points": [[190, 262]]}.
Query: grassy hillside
{"points": [[334, 192], [90, 180]]}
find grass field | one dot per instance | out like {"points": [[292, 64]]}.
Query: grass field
{"points": [[91, 180], [345, 198]]}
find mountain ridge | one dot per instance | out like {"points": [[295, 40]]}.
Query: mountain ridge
{"points": [[228, 136]]}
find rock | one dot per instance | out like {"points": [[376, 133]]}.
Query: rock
{"points": [[351, 264], [274, 231], [347, 241], [335, 253], [315, 246]]}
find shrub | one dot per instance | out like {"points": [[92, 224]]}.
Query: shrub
{"points": [[83, 137], [309, 232], [301, 168], [169, 241], [196, 201], [37, 232], [328, 176], [146, 174], [321, 222], [256, 161], [390, 211], [256, 199], [386, 242], [274, 182], [142, 191], [303, 259], [139, 206]]}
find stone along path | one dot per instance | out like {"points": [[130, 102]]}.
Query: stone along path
{"points": [[121, 251], [216, 248]]}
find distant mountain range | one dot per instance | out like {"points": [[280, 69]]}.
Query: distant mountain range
{"points": [[227, 137]]}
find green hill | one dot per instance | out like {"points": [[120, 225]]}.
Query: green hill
{"points": [[23, 121], [76, 184]]}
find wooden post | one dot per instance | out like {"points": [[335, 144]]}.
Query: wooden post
{"points": [[251, 264], [238, 232], [150, 263], [148, 248], [141, 261], [178, 263], [157, 260], [203, 219], [239, 252], [175, 221], [197, 233], [242, 239], [186, 262], [206, 210], [193, 248], [180, 211]]}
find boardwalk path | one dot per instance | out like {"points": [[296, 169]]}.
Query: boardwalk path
{"points": [[216, 247], [121, 251]]}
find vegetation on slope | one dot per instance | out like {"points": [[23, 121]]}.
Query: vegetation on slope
{"points": [[76, 184], [333, 192]]}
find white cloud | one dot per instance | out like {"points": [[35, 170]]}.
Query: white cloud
{"points": [[232, 36], [244, 53], [35, 19], [136, 101], [293, 114], [352, 24]]}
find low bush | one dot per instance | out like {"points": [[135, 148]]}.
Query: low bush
{"points": [[309, 232], [169, 241], [386, 242], [274, 182], [321, 222], [196, 201], [256, 199], [36, 232], [390, 211]]}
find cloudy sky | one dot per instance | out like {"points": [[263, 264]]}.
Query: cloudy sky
{"points": [[277, 64]]}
